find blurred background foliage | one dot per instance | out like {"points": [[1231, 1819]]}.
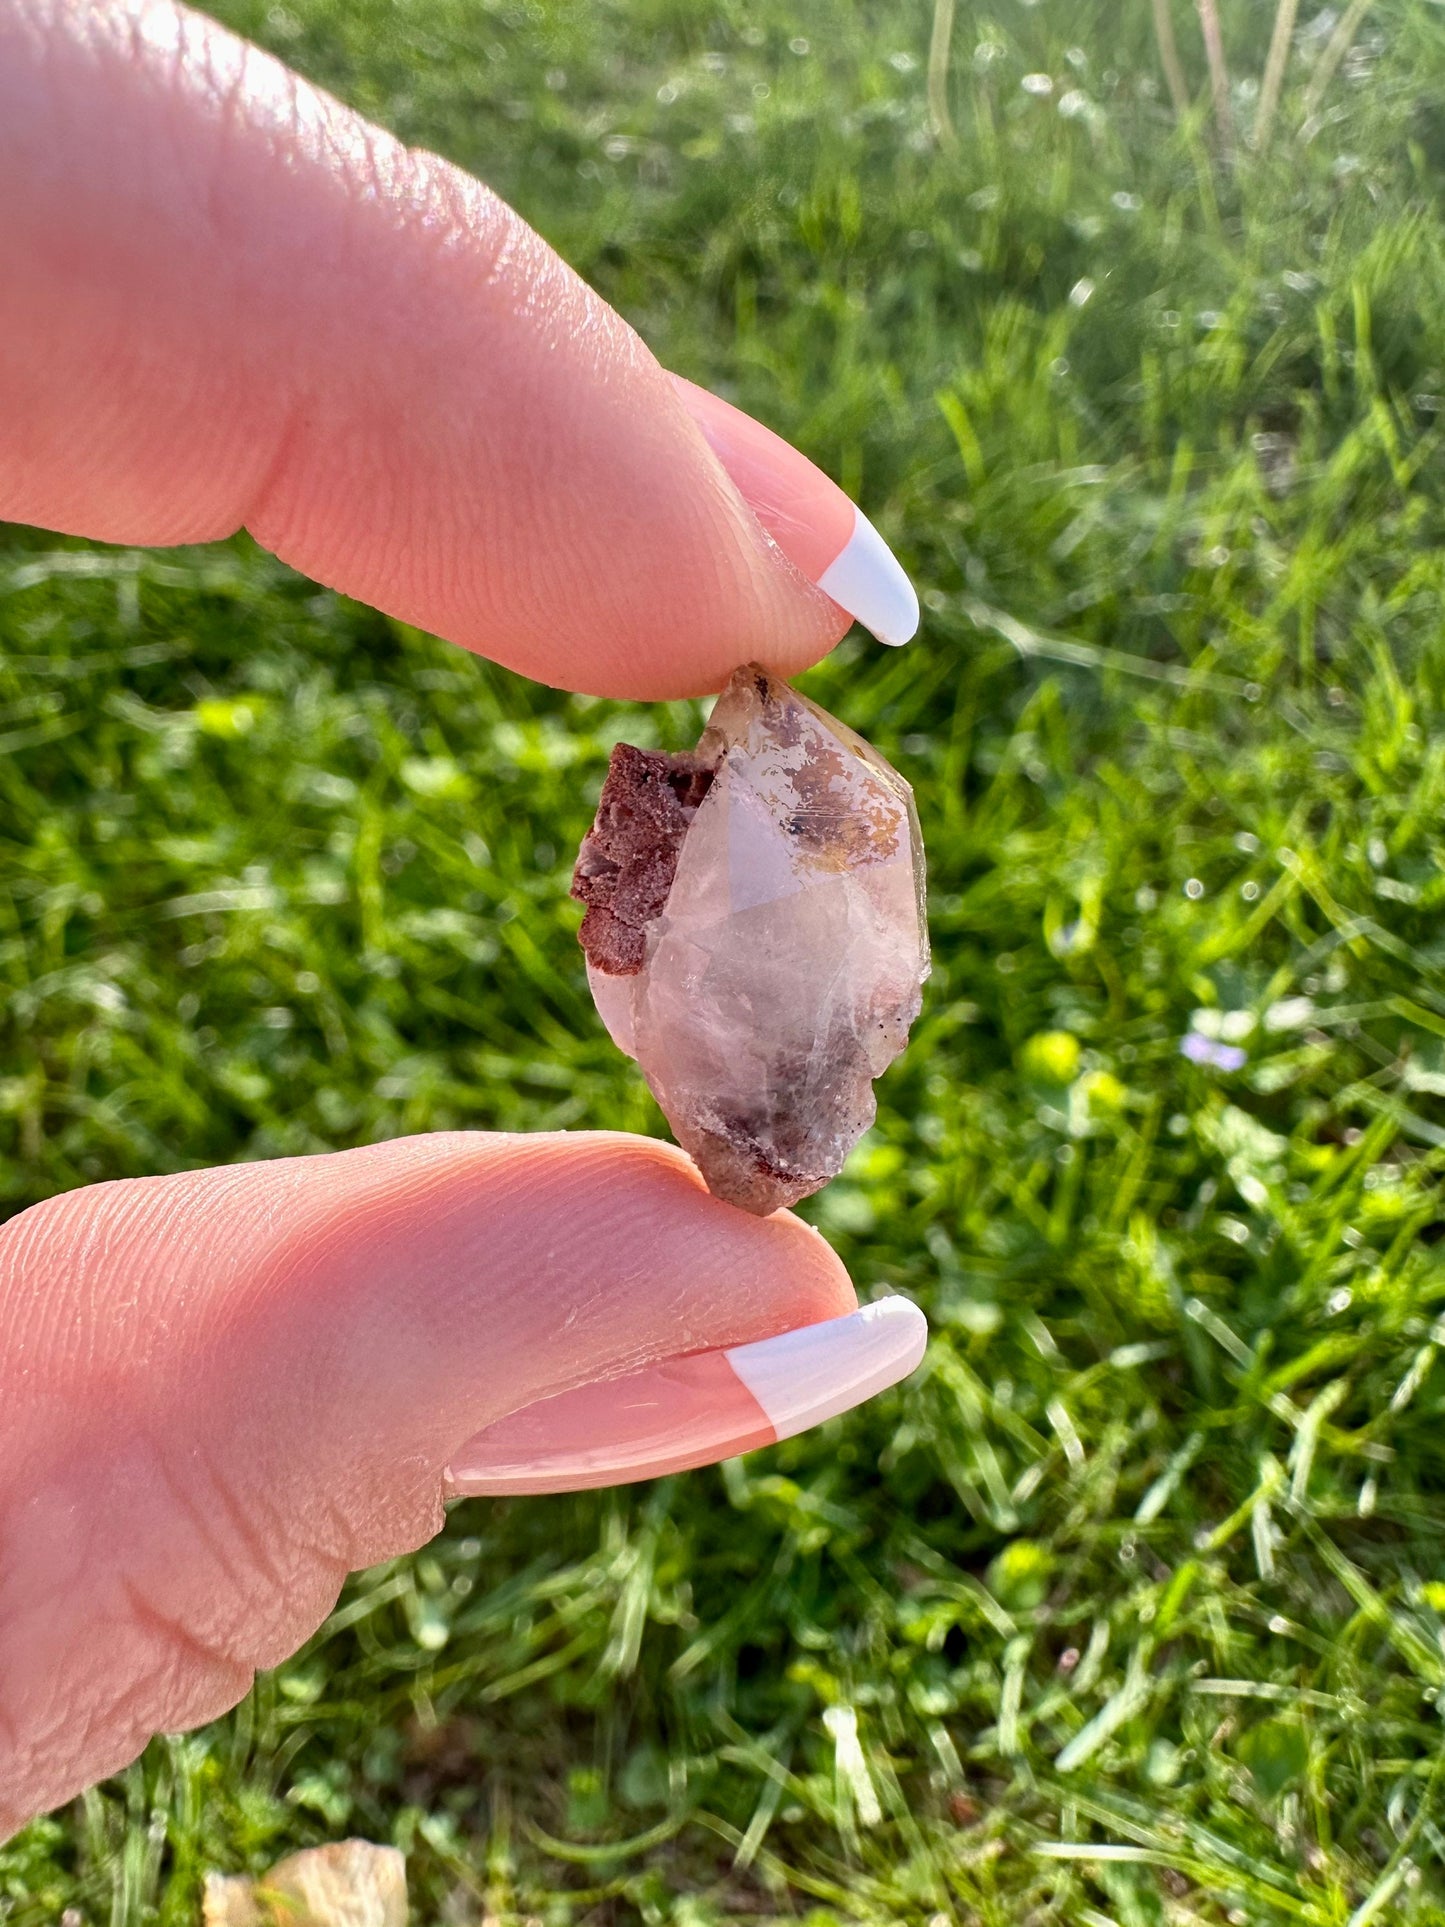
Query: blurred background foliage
{"points": [[1129, 1607]]}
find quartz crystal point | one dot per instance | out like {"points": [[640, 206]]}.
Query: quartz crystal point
{"points": [[756, 935]]}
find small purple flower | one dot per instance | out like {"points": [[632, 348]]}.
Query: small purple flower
{"points": [[1200, 1049]]}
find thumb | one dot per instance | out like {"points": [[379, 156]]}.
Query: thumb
{"points": [[224, 1389]]}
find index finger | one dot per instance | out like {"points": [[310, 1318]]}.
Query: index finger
{"points": [[240, 305]]}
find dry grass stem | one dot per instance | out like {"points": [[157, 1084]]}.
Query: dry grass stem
{"points": [[1274, 66], [940, 44], [1169, 58], [1218, 75]]}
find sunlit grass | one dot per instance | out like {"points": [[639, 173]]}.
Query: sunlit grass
{"points": [[1131, 1607]]}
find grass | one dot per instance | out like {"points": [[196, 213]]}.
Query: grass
{"points": [[1130, 1607]]}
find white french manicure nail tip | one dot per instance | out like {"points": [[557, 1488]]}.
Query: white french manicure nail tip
{"points": [[692, 1410], [802, 1377], [867, 579]]}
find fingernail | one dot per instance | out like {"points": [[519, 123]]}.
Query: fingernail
{"points": [[691, 1411], [809, 517]]}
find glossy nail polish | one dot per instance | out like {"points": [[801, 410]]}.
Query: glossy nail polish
{"points": [[690, 1411], [812, 521]]}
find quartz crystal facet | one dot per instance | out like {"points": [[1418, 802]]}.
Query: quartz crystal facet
{"points": [[756, 935]]}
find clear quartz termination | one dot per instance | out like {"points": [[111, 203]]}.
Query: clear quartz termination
{"points": [[756, 935]]}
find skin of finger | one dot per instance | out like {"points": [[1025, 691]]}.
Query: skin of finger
{"points": [[224, 1389], [242, 305]]}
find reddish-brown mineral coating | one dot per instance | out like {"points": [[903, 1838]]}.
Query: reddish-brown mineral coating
{"points": [[629, 857]]}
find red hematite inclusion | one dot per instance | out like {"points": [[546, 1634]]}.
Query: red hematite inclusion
{"points": [[756, 935]]}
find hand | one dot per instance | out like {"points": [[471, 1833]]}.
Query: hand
{"points": [[228, 302]]}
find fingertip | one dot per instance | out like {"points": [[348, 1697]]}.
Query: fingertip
{"points": [[756, 1265], [249, 308], [819, 531], [246, 1380]]}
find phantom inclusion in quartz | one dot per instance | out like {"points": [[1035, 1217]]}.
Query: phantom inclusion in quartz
{"points": [[756, 935]]}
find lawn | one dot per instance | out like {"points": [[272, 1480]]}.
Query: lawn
{"points": [[1130, 1607]]}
